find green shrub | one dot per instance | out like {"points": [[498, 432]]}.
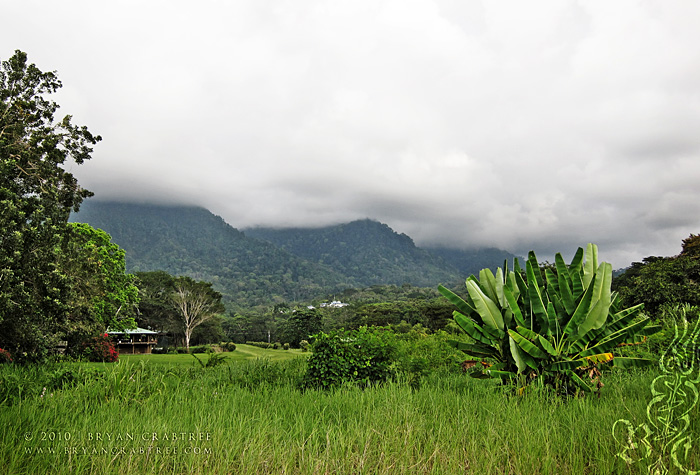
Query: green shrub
{"points": [[304, 345], [285, 346], [228, 346], [358, 356], [419, 353], [100, 349], [5, 356]]}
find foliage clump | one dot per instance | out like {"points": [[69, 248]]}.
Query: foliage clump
{"points": [[358, 356], [552, 328], [100, 349], [5, 356], [37, 195], [663, 282]]}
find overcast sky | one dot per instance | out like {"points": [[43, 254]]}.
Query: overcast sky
{"points": [[538, 125]]}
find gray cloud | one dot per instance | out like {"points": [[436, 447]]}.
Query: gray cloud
{"points": [[520, 125]]}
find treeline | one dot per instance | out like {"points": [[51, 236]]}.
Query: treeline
{"points": [[402, 306], [659, 282]]}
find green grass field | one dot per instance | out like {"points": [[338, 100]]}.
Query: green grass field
{"points": [[243, 352], [147, 415]]}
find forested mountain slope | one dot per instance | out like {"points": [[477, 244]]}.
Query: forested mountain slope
{"points": [[192, 241], [263, 266], [367, 251], [471, 261]]}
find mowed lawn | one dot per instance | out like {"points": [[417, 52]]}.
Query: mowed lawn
{"points": [[242, 352]]}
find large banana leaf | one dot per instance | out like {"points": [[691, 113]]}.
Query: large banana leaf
{"points": [[488, 284], [472, 329], [579, 382], [526, 345], [567, 296], [591, 264], [577, 287], [488, 311], [514, 307], [500, 286], [457, 301], [532, 260], [576, 261], [538, 306], [473, 349], [582, 309], [518, 355], [602, 298], [609, 342], [562, 269]]}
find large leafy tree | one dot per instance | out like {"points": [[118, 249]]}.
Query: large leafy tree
{"points": [[156, 311], [660, 281], [102, 293], [302, 323], [37, 195], [196, 302]]}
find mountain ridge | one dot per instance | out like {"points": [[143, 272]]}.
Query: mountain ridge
{"points": [[265, 266]]}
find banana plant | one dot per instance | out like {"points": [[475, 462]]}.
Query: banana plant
{"points": [[553, 327]]}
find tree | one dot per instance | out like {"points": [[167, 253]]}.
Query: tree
{"points": [[102, 294], [691, 246], [36, 197], [196, 302], [659, 281], [301, 323], [155, 310]]}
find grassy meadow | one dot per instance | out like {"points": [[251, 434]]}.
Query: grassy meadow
{"points": [[168, 414]]}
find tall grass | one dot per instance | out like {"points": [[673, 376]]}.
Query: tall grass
{"points": [[249, 417]]}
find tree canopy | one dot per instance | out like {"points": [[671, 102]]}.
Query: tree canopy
{"points": [[196, 302], [658, 281], [37, 195], [102, 293]]}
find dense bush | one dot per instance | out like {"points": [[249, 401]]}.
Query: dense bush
{"points": [[419, 352], [100, 348], [228, 346], [358, 356], [5, 356]]}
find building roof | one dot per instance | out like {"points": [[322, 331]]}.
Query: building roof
{"points": [[132, 331]]}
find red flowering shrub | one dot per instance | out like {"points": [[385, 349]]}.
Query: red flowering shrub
{"points": [[5, 356], [100, 348]]}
